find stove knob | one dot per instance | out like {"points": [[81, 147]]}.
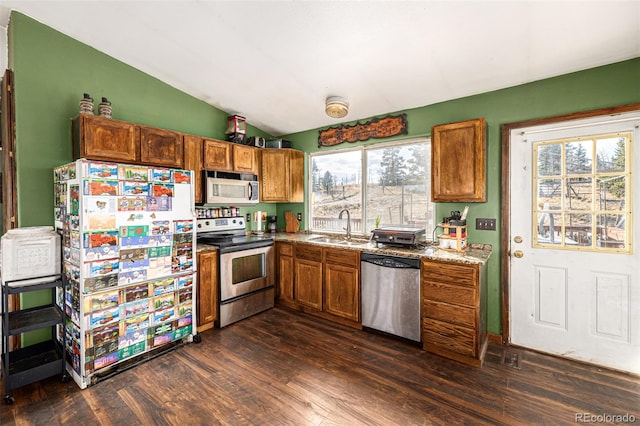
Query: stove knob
{"points": [[390, 237]]}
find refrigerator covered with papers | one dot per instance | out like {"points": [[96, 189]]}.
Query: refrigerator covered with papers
{"points": [[128, 251]]}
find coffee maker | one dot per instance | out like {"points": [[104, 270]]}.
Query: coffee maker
{"points": [[272, 225]]}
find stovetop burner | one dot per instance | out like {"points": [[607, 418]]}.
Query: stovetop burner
{"points": [[228, 234], [235, 243], [212, 237]]}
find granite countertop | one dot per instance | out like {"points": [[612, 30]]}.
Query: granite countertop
{"points": [[475, 253]]}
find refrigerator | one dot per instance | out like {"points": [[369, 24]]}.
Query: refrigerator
{"points": [[128, 253]]}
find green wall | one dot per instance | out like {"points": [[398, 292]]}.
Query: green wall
{"points": [[52, 71], [610, 85]]}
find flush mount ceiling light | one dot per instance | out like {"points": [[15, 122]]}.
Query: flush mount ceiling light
{"points": [[336, 107]]}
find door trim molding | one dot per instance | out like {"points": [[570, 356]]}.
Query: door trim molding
{"points": [[7, 127], [505, 239]]}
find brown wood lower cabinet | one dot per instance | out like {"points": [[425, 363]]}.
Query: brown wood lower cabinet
{"points": [[454, 310], [207, 289], [284, 271], [325, 281], [320, 280], [307, 272], [342, 283]]}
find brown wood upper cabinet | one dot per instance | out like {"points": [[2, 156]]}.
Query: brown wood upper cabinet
{"points": [[229, 157], [159, 147], [100, 138], [213, 154], [218, 155], [245, 159], [193, 161], [458, 161], [106, 139], [282, 175]]}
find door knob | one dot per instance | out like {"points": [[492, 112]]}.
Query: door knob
{"points": [[518, 253], [517, 239]]}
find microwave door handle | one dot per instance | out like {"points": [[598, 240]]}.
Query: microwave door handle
{"points": [[250, 191]]}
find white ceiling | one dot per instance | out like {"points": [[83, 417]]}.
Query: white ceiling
{"points": [[275, 62]]}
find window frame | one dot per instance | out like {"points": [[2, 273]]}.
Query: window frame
{"points": [[363, 149]]}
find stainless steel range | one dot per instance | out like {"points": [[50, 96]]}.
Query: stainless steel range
{"points": [[246, 268]]}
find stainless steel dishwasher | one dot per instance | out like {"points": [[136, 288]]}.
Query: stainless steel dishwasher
{"points": [[391, 294]]}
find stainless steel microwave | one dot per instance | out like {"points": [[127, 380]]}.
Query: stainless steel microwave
{"points": [[230, 189]]}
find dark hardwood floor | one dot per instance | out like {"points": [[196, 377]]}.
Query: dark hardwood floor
{"points": [[287, 368]]}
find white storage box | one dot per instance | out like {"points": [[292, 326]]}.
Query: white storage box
{"points": [[29, 252]]}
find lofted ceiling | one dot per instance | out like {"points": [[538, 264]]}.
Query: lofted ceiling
{"points": [[275, 62]]}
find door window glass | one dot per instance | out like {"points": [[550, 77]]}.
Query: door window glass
{"points": [[582, 191]]}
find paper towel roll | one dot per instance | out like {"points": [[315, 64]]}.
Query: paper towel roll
{"points": [[258, 223]]}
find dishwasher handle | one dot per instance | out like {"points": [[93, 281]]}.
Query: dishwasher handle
{"points": [[391, 261]]}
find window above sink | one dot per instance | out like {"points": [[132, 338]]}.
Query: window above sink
{"points": [[381, 184]]}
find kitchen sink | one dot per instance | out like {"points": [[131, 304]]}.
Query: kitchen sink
{"points": [[338, 241]]}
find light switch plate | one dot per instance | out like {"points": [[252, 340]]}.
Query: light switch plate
{"points": [[485, 224]]}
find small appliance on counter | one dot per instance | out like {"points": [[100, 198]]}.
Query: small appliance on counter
{"points": [[259, 218], [398, 236], [273, 224]]}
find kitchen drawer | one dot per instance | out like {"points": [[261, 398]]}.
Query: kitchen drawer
{"points": [[454, 338], [285, 249], [453, 294], [342, 257], [309, 252], [451, 273], [449, 313]]}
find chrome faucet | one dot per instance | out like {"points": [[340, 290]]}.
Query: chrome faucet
{"points": [[348, 228]]}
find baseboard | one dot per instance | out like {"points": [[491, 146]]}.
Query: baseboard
{"points": [[495, 338]]}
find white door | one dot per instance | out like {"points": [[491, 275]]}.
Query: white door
{"points": [[574, 224]]}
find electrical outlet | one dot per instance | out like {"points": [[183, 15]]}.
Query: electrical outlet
{"points": [[248, 217], [485, 224]]}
